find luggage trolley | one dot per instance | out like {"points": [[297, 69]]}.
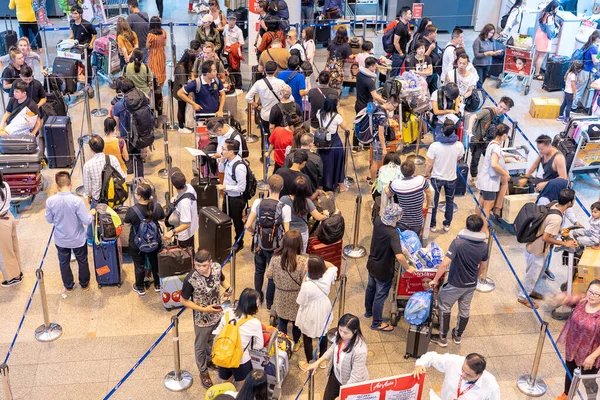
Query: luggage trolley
{"points": [[518, 64], [274, 359], [202, 139]]}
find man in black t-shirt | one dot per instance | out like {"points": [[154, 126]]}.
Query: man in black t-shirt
{"points": [[314, 165], [85, 33], [140, 24], [401, 38], [366, 85], [15, 105], [467, 257], [35, 89], [385, 250], [317, 95], [290, 174]]}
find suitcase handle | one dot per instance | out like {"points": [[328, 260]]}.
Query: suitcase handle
{"points": [[7, 18]]}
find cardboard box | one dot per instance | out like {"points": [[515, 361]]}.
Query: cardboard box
{"points": [[587, 270], [544, 108], [513, 204]]}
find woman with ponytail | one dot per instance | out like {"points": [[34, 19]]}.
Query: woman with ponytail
{"points": [[145, 210], [138, 72]]}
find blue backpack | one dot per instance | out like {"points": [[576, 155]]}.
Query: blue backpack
{"points": [[418, 308], [147, 237]]}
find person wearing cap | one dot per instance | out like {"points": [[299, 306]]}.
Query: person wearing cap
{"points": [[232, 33], [207, 32], [386, 249], [185, 217], [234, 184], [234, 47], [208, 91]]}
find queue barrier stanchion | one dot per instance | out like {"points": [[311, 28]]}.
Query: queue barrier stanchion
{"points": [[263, 185], [531, 384], [6, 381], [250, 138], [563, 312], [164, 172], [49, 331], [87, 116], [574, 384], [98, 111], [171, 125], [232, 269], [177, 380], [45, 44], [364, 29], [354, 250], [486, 284], [348, 180], [311, 385], [342, 305]]}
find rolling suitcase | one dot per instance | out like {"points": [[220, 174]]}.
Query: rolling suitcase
{"points": [[417, 341], [24, 184], [68, 70], [18, 144], [323, 34], [206, 192], [125, 228], [554, 75], [8, 38], [20, 163], [107, 263], [60, 148], [214, 233], [329, 252], [170, 291], [173, 260], [461, 185]]}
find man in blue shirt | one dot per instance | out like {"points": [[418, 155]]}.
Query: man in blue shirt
{"points": [[119, 112], [70, 215], [209, 93], [295, 79]]}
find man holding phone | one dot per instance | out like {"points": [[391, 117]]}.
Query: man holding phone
{"points": [[201, 293]]}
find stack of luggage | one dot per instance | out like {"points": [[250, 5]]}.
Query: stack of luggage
{"points": [[21, 164], [174, 263], [108, 256]]}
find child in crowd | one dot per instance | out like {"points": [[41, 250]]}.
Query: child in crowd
{"points": [[590, 236], [367, 51], [570, 90]]}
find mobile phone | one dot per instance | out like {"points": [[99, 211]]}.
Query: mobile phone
{"points": [[217, 306]]}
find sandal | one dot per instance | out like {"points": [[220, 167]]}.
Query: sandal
{"points": [[539, 77], [384, 328]]}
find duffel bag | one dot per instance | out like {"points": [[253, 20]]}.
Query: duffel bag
{"points": [[331, 230], [173, 261]]}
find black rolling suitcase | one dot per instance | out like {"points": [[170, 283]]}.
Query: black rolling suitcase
{"points": [[554, 76], [20, 163], [323, 33], [461, 186], [60, 148], [8, 38], [214, 233], [206, 192], [67, 69], [18, 144]]}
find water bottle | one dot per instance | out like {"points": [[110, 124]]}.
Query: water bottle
{"points": [[436, 253]]}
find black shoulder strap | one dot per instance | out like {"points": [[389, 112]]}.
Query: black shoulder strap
{"points": [[272, 59], [292, 76], [328, 123], [455, 77], [185, 196], [142, 16], [233, 167], [440, 98], [271, 88]]}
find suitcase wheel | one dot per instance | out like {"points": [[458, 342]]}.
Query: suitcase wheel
{"points": [[118, 285], [406, 356], [99, 286], [394, 319]]}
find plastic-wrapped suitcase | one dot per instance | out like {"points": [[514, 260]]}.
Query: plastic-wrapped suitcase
{"points": [[68, 70], [18, 144], [554, 75], [20, 163], [170, 291], [417, 341], [125, 228], [60, 148], [108, 259], [214, 233], [207, 194], [461, 186], [329, 252], [24, 184], [8, 38]]}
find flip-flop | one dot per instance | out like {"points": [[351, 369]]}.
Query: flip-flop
{"points": [[384, 328]]}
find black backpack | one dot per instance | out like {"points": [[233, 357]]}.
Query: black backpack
{"points": [[245, 151], [142, 118], [114, 191], [251, 182], [392, 87], [331, 230], [530, 219], [269, 224], [285, 110], [322, 136]]}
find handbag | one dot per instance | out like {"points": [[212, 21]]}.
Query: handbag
{"points": [[173, 260]]}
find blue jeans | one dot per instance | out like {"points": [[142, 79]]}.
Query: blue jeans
{"points": [[565, 107], [449, 188], [64, 260], [377, 293], [261, 260], [307, 14], [397, 61]]}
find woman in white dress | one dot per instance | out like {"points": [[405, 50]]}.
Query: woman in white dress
{"points": [[313, 315]]}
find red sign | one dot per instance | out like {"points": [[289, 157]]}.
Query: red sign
{"points": [[517, 62], [417, 10], [403, 387]]}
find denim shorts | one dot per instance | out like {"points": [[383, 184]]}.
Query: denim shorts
{"points": [[377, 151], [488, 196]]}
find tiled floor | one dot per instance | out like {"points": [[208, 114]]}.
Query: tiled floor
{"points": [[106, 331]]}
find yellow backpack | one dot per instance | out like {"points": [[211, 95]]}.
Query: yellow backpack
{"points": [[218, 389], [227, 349]]}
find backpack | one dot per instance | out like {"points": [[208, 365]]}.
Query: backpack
{"points": [[504, 19], [579, 54], [279, 9], [335, 66], [142, 118], [332, 229], [489, 132], [108, 225], [227, 349], [251, 182], [392, 87], [363, 124], [388, 37], [322, 136], [147, 237], [245, 151], [269, 224], [529, 220], [475, 101], [114, 191], [387, 173], [171, 208]]}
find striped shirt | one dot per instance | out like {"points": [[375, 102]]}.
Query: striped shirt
{"points": [[410, 194]]}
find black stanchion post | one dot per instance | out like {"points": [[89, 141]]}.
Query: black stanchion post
{"points": [[531, 384], [262, 184], [484, 283], [172, 125], [354, 250], [48, 332], [311, 386], [177, 380], [6, 381], [342, 304], [348, 180], [250, 138], [173, 47]]}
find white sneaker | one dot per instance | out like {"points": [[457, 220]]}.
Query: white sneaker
{"points": [[446, 228], [184, 130]]}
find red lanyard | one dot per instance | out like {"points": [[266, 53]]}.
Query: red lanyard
{"points": [[339, 349], [458, 392]]}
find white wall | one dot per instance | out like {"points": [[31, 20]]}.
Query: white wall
{"points": [[486, 12]]}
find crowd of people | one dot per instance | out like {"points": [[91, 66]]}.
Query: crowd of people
{"points": [[300, 121]]}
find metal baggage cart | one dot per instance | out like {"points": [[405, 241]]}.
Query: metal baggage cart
{"points": [[518, 65], [274, 360]]}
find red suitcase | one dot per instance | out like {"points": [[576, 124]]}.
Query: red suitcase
{"points": [[24, 184], [329, 252]]}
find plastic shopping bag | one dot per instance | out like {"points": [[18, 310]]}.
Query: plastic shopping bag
{"points": [[418, 308], [410, 240]]}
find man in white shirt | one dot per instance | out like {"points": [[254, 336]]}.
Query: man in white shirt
{"points": [[443, 158], [234, 184], [187, 210], [232, 33], [292, 40], [448, 56], [216, 126], [93, 168], [465, 378]]}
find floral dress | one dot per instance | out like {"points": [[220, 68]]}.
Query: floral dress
{"points": [[287, 286]]}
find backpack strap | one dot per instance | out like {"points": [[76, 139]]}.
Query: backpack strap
{"points": [[272, 59], [184, 196], [292, 76], [234, 166], [138, 213]]}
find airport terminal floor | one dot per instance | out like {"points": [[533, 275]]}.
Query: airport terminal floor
{"points": [[107, 330]]}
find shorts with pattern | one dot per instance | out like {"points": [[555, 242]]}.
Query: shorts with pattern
{"points": [[377, 151]]}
